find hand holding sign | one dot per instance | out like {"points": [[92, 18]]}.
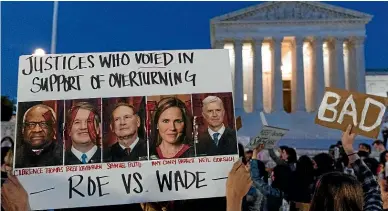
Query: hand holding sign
{"points": [[348, 139], [239, 181], [269, 136], [13, 195], [339, 108]]}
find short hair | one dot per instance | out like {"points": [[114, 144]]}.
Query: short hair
{"points": [[86, 106], [40, 105], [378, 142], [211, 99], [122, 104], [367, 146], [81, 105], [163, 105]]}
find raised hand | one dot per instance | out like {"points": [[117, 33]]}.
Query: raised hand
{"points": [[13, 196], [348, 139]]}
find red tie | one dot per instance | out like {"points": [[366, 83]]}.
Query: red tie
{"points": [[127, 150]]}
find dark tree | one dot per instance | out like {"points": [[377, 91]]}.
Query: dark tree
{"points": [[7, 108]]}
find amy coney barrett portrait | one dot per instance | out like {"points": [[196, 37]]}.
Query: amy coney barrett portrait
{"points": [[83, 131], [171, 127], [39, 140]]}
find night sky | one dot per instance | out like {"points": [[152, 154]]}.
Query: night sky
{"points": [[137, 26]]}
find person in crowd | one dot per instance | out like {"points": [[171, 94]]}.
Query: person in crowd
{"points": [[6, 163], [248, 155], [83, 129], [287, 157], [382, 161], [39, 147], [217, 139], [338, 191], [255, 200], [382, 178], [125, 124], [303, 182], [323, 163], [373, 165], [280, 186], [379, 146], [364, 147], [170, 129], [384, 131]]}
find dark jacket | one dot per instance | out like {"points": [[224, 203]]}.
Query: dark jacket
{"points": [[227, 145], [116, 153], [52, 155], [71, 159]]}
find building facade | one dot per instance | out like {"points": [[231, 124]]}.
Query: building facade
{"points": [[283, 55], [377, 82]]}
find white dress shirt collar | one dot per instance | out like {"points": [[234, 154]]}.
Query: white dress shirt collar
{"points": [[89, 154], [132, 145], [220, 131]]}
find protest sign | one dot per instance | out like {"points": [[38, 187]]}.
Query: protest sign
{"points": [[339, 108], [94, 129], [269, 136]]}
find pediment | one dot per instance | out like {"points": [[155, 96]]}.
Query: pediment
{"points": [[293, 11]]}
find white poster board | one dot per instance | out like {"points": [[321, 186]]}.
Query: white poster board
{"points": [[68, 99], [269, 136]]}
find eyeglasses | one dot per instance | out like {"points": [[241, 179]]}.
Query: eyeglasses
{"points": [[32, 125]]}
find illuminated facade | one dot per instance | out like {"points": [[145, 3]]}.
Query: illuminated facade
{"points": [[283, 54]]}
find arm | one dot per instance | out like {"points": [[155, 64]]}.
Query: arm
{"points": [[275, 158], [371, 189], [233, 204], [259, 183]]}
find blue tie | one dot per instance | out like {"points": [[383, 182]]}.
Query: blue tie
{"points": [[215, 138], [83, 157]]}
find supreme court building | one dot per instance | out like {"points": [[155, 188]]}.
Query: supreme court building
{"points": [[283, 54]]}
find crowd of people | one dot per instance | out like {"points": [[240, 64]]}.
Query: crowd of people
{"points": [[344, 179]]}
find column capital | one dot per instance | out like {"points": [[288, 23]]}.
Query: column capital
{"points": [[258, 40], [238, 42], [358, 40], [319, 39], [299, 41], [277, 40], [339, 40]]}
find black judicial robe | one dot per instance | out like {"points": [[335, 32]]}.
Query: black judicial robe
{"points": [[227, 145], [117, 154], [51, 155]]}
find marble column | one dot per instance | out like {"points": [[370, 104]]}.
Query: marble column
{"points": [[277, 94], [238, 76], [218, 44], [360, 63], [319, 71], [300, 92], [340, 65], [258, 75]]}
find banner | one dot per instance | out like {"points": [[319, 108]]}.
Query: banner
{"points": [[339, 108], [124, 127]]}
